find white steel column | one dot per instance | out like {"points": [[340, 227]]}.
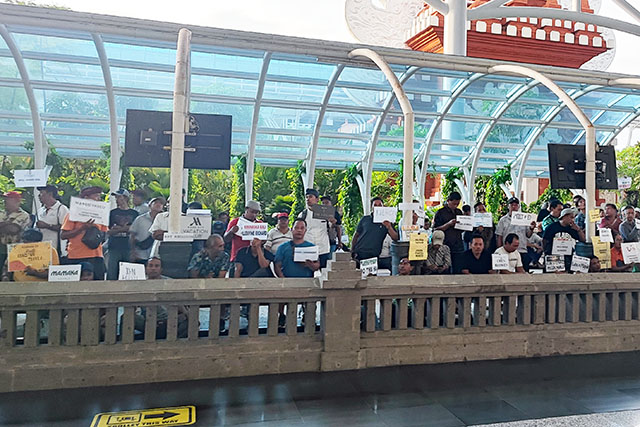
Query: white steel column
{"points": [[114, 181], [310, 162], [180, 126], [407, 110], [455, 28], [251, 152]]}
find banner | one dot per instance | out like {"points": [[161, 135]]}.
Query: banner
{"points": [[382, 214], [34, 255], [255, 230], [521, 218], [65, 273], [24, 178], [82, 210], [131, 271], [369, 267], [418, 246], [198, 226]]}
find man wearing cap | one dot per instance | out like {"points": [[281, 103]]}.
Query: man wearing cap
{"points": [[370, 236], [251, 211], [438, 256], [523, 232], [120, 221], [139, 199], [141, 238], [13, 221], [628, 229], [278, 235], [50, 218], [563, 229], [317, 229], [445, 221], [73, 231]]}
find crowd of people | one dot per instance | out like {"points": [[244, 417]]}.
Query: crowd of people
{"points": [[137, 227]]}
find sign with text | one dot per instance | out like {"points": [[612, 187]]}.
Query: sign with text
{"points": [[409, 206], [174, 416], [382, 214], [369, 267], [199, 212], [602, 251], [464, 222], [241, 222], [24, 178], [255, 230], [500, 261], [418, 246], [606, 235], [554, 263], [305, 253], [82, 210], [177, 237], [483, 220], [631, 252], [624, 182], [580, 264], [198, 226], [522, 218], [131, 271], [323, 212], [65, 273], [594, 215], [562, 246], [34, 255]]}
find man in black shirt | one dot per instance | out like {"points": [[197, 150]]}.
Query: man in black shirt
{"points": [[120, 220], [253, 261], [565, 227], [368, 238], [476, 260], [445, 220]]}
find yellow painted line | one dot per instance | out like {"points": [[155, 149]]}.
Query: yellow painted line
{"points": [[175, 416]]}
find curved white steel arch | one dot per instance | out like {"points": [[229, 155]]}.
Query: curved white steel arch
{"points": [[425, 150], [40, 148], [626, 122], [485, 134], [597, 116], [368, 158], [114, 181], [310, 162], [251, 151]]}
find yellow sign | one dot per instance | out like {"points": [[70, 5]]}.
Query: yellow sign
{"points": [[34, 255], [176, 416], [594, 215], [602, 251], [418, 244]]}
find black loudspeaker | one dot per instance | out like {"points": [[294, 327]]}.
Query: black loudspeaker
{"points": [[567, 167], [148, 140]]}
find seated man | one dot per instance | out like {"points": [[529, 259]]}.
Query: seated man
{"points": [[86, 271], [617, 259], [284, 264], [32, 235], [438, 256], [594, 264], [476, 260], [405, 268], [510, 248], [253, 261], [212, 261]]}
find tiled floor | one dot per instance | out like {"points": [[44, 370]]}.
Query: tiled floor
{"points": [[431, 395]]}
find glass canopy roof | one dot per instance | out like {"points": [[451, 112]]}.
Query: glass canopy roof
{"points": [[311, 88]]}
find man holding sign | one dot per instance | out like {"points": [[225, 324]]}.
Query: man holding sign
{"points": [[234, 232], [369, 237], [13, 221], [506, 226], [285, 265], [628, 229], [564, 229], [510, 249], [31, 272], [445, 220]]}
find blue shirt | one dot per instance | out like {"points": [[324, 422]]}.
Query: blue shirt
{"points": [[284, 255]]}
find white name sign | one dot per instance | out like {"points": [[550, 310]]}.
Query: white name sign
{"points": [[631, 252], [24, 178], [82, 210], [580, 264], [198, 226], [500, 261], [369, 267], [254, 230], [605, 235], [307, 253], [553, 263], [624, 182], [562, 246], [482, 220], [464, 222], [177, 237], [131, 271], [522, 218], [382, 214], [64, 273]]}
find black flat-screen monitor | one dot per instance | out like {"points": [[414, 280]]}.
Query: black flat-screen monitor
{"points": [[148, 140], [567, 167]]}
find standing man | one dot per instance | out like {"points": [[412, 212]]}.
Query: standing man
{"points": [[628, 229], [610, 219], [487, 233], [141, 238], [278, 235], [251, 211], [74, 232], [13, 221], [369, 237], [50, 218], [284, 264], [445, 221], [140, 201], [317, 229], [555, 207], [120, 221], [335, 229], [212, 261], [522, 231]]}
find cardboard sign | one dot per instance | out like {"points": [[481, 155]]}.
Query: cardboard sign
{"points": [[82, 210], [522, 218], [638, 224], [382, 214], [241, 222], [307, 253], [198, 226], [580, 264], [323, 212], [594, 215], [24, 178], [624, 182], [602, 251], [131, 271], [174, 416], [418, 246], [409, 206], [631, 252], [34, 255], [500, 261], [464, 222], [369, 267], [554, 263], [483, 220], [65, 273], [606, 235], [562, 246], [255, 230], [177, 237]]}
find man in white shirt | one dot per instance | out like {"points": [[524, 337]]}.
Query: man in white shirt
{"points": [[141, 238], [510, 248], [51, 217], [317, 229], [280, 234], [504, 228]]}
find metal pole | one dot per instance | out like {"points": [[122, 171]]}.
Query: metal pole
{"points": [[455, 28], [179, 128], [590, 178]]}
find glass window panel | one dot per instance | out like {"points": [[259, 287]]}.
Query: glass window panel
{"points": [[433, 81], [64, 72], [490, 87], [293, 92], [13, 99], [61, 45], [557, 136], [526, 110], [613, 118], [141, 103], [142, 79], [154, 55], [242, 114], [598, 98], [348, 123], [566, 116], [8, 67], [216, 61], [274, 140], [224, 86], [358, 98], [474, 107], [459, 131], [287, 118], [629, 101], [424, 104], [85, 104], [510, 134], [300, 69], [363, 75]]}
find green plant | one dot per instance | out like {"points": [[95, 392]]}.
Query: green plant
{"points": [[350, 200], [236, 199], [549, 193], [294, 175], [495, 200], [449, 183]]}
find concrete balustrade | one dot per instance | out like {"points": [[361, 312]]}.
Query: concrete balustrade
{"points": [[62, 335]]}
